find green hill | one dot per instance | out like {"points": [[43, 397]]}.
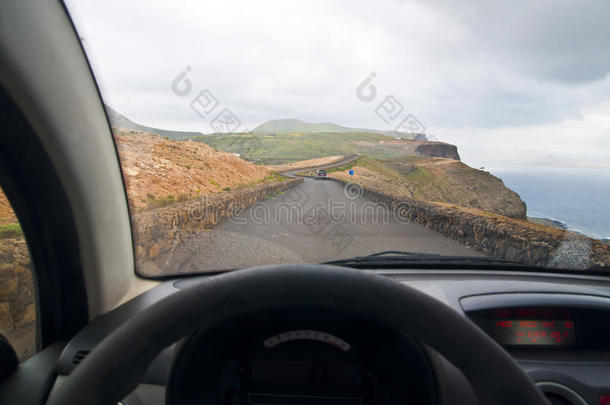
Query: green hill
{"points": [[275, 148], [294, 125]]}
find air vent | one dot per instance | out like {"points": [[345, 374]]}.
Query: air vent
{"points": [[555, 399], [80, 356]]}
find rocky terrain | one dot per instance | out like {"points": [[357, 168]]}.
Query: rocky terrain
{"points": [[7, 216], [158, 171], [17, 294]]}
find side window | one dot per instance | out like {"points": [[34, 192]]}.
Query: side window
{"points": [[17, 292]]}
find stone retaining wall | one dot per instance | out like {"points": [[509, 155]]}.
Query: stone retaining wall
{"points": [[158, 232], [498, 236], [17, 297]]}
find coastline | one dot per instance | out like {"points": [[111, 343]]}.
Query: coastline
{"points": [[576, 198], [561, 225], [548, 222]]}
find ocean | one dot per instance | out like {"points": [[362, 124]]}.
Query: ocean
{"points": [[580, 198]]}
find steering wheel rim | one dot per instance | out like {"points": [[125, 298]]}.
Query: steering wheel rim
{"points": [[115, 367]]}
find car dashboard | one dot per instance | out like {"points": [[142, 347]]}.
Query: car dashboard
{"points": [[555, 325], [267, 361]]}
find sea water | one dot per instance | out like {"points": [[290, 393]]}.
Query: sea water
{"points": [[580, 198]]}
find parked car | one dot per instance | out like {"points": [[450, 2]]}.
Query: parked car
{"points": [[321, 174]]}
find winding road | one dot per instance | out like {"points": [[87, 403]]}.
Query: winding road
{"points": [[313, 222], [345, 161]]}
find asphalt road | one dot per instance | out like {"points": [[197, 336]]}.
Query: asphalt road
{"points": [[313, 222]]}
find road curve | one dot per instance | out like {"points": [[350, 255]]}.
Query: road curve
{"points": [[342, 162], [313, 222]]}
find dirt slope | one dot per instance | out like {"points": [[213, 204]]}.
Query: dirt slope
{"points": [[7, 216], [157, 169]]}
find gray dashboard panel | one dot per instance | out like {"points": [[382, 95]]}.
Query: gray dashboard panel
{"points": [[102, 326], [459, 289]]}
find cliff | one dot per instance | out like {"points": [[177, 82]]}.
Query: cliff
{"points": [[453, 182], [439, 180], [438, 149]]}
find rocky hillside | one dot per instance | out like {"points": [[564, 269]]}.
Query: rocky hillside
{"points": [[17, 292], [450, 181], [158, 171], [17, 296], [7, 216], [439, 180]]}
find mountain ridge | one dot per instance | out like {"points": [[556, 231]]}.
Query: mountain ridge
{"points": [[284, 125], [120, 121]]}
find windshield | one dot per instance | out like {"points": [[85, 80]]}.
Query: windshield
{"points": [[261, 132]]}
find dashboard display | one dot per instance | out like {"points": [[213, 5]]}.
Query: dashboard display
{"points": [[306, 334], [306, 372], [533, 332]]}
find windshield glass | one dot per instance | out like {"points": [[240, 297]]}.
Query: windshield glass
{"points": [[260, 132]]}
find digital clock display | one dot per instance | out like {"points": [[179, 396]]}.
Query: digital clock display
{"points": [[538, 332]]}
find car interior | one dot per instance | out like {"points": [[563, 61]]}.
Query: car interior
{"points": [[284, 334]]}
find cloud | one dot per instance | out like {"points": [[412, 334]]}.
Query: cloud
{"points": [[462, 67], [565, 42], [570, 143]]}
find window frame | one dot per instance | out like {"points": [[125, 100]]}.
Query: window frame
{"points": [[38, 198]]}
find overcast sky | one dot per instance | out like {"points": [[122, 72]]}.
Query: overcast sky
{"points": [[520, 82]]}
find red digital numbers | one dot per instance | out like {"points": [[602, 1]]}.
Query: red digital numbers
{"points": [[535, 332]]}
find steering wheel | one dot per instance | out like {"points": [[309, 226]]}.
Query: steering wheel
{"points": [[115, 367]]}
